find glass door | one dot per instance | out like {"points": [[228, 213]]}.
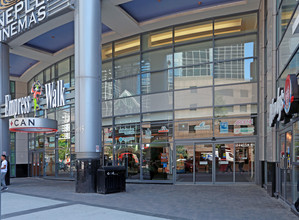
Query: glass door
{"points": [[204, 162], [285, 166], [224, 162], [185, 162], [37, 164], [244, 161]]}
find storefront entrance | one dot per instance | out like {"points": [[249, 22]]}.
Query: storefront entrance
{"points": [[218, 162], [37, 164], [285, 186]]}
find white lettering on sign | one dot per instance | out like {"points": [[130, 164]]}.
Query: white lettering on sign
{"points": [[55, 97], [17, 106], [276, 108], [21, 15]]}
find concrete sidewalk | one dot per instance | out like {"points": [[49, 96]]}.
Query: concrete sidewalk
{"points": [[32, 198]]}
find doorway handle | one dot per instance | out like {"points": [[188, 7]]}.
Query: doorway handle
{"points": [[173, 167]]}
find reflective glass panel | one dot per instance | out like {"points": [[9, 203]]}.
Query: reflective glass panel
{"points": [[157, 81], [126, 66], [236, 25], [193, 76], [106, 71], [157, 102], [107, 90], [157, 39], [236, 94], [193, 54], [157, 60], [193, 98], [106, 51], [127, 46], [237, 71], [125, 87], [127, 105], [193, 32], [236, 47]]}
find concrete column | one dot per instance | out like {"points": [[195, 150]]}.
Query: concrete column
{"points": [[88, 117], [4, 90]]}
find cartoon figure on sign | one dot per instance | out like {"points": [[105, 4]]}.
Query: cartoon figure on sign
{"points": [[36, 90]]}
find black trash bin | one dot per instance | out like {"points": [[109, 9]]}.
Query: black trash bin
{"points": [[111, 179]]}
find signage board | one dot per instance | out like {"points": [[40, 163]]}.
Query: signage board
{"points": [[163, 130], [202, 126], [287, 101], [33, 125], [55, 97], [223, 127], [19, 16], [244, 122]]}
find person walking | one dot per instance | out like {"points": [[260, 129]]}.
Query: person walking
{"points": [[3, 172]]}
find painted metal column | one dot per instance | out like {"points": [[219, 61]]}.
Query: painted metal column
{"points": [[4, 90], [88, 117]]}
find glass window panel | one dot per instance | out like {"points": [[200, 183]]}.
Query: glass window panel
{"points": [[157, 161], [127, 119], [127, 87], [193, 76], [72, 79], [157, 39], [157, 82], [288, 44], [160, 116], [72, 63], [106, 51], [107, 109], [193, 129], [235, 110], [157, 132], [236, 47], [236, 25], [231, 95], [193, 54], [193, 98], [127, 66], [193, 113], [292, 68], [193, 32], [47, 75], [107, 90], [284, 15], [296, 143], [66, 79], [106, 71], [235, 127], [107, 121], [236, 71], [127, 46], [157, 102], [127, 106], [40, 77], [157, 60], [128, 133], [128, 155], [63, 66], [63, 116]]}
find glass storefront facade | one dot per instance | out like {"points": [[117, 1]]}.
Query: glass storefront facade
{"points": [[179, 105], [287, 133]]}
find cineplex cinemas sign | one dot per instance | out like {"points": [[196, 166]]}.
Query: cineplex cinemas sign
{"points": [[287, 101], [55, 97], [17, 16]]}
